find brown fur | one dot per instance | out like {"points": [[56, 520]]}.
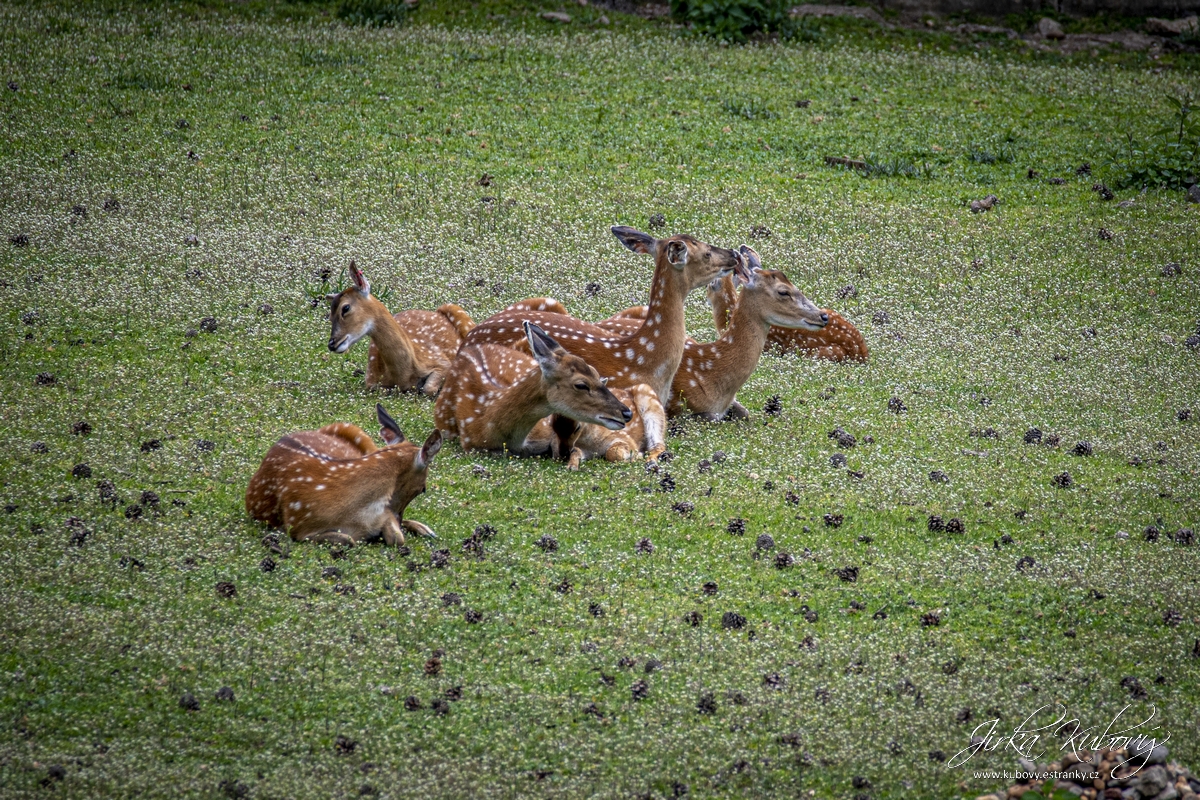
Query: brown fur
{"points": [[643, 434], [839, 340], [711, 374], [335, 485], [494, 396], [409, 350], [649, 354]]}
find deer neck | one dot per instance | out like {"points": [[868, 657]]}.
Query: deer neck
{"points": [[399, 362], [723, 301], [518, 410], [661, 337], [739, 348]]}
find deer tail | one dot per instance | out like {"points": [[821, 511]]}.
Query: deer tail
{"points": [[458, 317]]}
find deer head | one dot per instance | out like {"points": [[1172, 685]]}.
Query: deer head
{"points": [[410, 482], [781, 303], [695, 261], [352, 312], [573, 388]]}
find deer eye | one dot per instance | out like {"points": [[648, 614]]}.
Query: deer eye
{"points": [[783, 293], [345, 309], [583, 387]]}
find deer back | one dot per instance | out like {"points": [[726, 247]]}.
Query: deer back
{"points": [[839, 340], [494, 396]]}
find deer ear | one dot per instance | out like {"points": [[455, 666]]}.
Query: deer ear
{"points": [[677, 253], [428, 450], [360, 281], [753, 261], [635, 240], [388, 428], [332, 297], [543, 348]]}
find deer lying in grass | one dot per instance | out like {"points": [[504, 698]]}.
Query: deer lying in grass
{"points": [[335, 485], [409, 350], [494, 396], [711, 373], [575, 442], [839, 340], [649, 353]]}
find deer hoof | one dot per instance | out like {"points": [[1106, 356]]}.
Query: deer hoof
{"points": [[433, 384], [419, 528], [655, 452], [737, 411], [393, 536]]}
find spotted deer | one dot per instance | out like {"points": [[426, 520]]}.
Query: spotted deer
{"points": [[409, 350], [711, 373], [649, 353], [645, 433], [839, 340], [494, 396], [335, 485]]}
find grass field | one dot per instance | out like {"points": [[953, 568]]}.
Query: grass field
{"points": [[169, 165]]}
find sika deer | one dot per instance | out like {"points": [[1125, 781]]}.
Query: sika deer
{"points": [[839, 340], [644, 433], [335, 485], [495, 396], [651, 352], [711, 373], [409, 350]]}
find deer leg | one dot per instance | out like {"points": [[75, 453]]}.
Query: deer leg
{"points": [[576, 459], [393, 536], [433, 382], [654, 423], [418, 528], [737, 411], [334, 536], [618, 452]]}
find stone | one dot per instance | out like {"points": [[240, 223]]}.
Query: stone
{"points": [[556, 16], [1158, 755], [1172, 27], [1169, 793], [1152, 780], [1193, 194], [1049, 29]]}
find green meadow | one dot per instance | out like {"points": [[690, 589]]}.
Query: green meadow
{"points": [[180, 182]]}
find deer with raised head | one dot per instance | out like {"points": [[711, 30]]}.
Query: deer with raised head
{"points": [[651, 352], [495, 396], [409, 350], [711, 373], [839, 340], [335, 485]]}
